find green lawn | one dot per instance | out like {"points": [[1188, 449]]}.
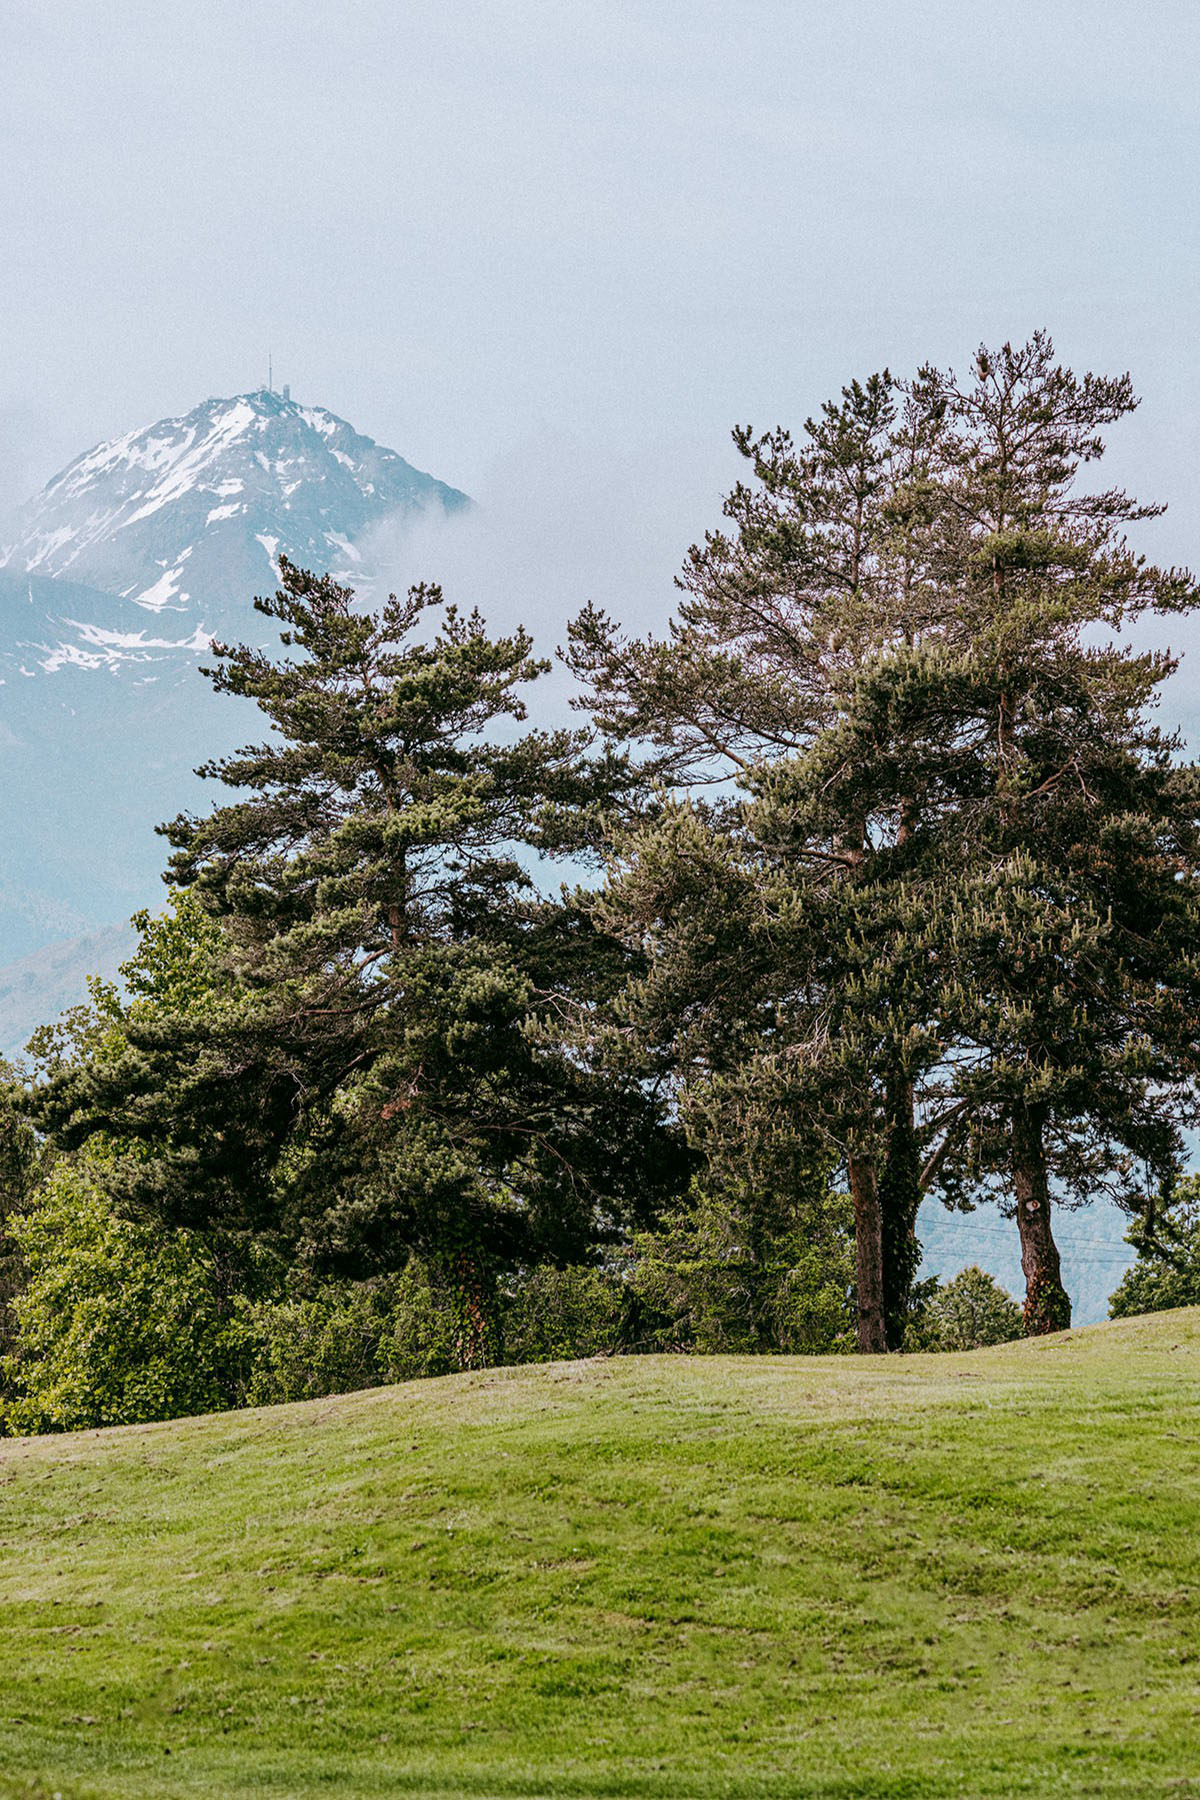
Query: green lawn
{"points": [[971, 1575]]}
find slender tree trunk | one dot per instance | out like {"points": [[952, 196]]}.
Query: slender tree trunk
{"points": [[1047, 1307], [900, 1187], [868, 1255], [899, 1197]]}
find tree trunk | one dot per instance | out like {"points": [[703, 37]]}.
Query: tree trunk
{"points": [[475, 1337], [899, 1195], [1047, 1307], [868, 1256]]}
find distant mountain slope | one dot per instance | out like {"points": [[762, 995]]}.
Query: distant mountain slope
{"points": [[91, 760], [186, 518], [1091, 1242], [48, 625], [36, 990]]}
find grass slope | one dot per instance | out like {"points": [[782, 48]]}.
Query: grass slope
{"points": [[969, 1575]]}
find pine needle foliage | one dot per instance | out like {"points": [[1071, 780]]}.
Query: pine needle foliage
{"points": [[966, 860], [370, 1075]]}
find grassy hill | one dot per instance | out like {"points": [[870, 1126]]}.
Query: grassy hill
{"points": [[972, 1575]]}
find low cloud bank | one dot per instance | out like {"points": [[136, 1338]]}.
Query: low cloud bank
{"points": [[559, 522]]}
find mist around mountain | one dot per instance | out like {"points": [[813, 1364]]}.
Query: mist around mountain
{"points": [[184, 519]]}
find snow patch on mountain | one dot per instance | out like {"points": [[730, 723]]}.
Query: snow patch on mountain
{"points": [[96, 648], [113, 583]]}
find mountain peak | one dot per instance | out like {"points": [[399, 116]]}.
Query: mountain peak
{"points": [[190, 514], [117, 577]]}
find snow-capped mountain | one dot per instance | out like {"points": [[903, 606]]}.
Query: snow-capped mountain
{"points": [[182, 523], [112, 582]]}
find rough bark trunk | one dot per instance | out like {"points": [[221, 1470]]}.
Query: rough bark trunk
{"points": [[1047, 1306], [868, 1256]]}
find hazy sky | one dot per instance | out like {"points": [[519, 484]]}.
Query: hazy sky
{"points": [[549, 240]]}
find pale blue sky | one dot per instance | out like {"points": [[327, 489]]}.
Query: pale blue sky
{"points": [[543, 235]]}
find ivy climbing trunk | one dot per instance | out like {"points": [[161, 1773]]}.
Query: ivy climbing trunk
{"points": [[868, 1256], [475, 1302], [1047, 1306], [899, 1198]]}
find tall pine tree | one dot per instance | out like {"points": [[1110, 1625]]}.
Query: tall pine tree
{"points": [[985, 853], [1063, 824], [823, 566], [374, 1075]]}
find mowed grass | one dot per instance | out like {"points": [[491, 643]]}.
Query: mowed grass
{"points": [[971, 1575]]}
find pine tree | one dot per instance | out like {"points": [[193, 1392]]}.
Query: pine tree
{"points": [[974, 859], [1064, 825], [824, 567], [374, 1074]]}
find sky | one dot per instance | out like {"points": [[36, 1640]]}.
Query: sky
{"points": [[552, 250]]}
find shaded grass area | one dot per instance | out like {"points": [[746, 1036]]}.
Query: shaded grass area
{"points": [[970, 1575]]}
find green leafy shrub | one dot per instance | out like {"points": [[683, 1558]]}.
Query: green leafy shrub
{"points": [[119, 1323], [713, 1280], [350, 1335], [1167, 1271], [122, 1322], [553, 1315], [964, 1314], [21, 1168], [812, 1306]]}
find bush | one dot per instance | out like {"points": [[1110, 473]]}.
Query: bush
{"points": [[963, 1314], [119, 1323], [21, 1160], [122, 1323], [351, 1335], [711, 1281], [348, 1335], [553, 1315], [1167, 1271]]}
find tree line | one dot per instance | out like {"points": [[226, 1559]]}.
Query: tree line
{"points": [[882, 885]]}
